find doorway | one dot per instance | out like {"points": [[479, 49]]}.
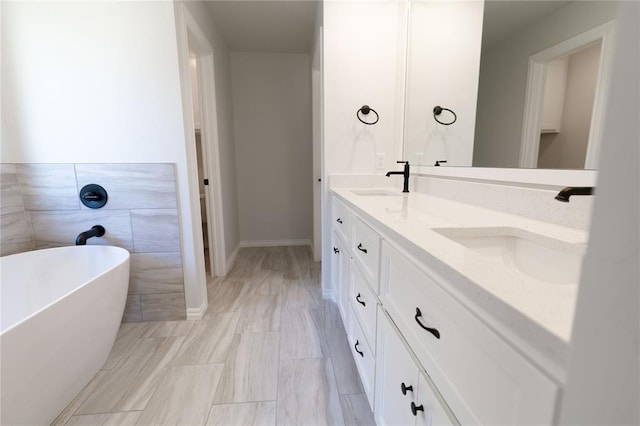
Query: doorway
{"points": [[203, 180], [547, 91]]}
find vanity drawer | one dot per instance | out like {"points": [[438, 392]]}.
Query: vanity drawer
{"points": [[363, 356], [364, 304], [480, 376], [365, 247], [341, 219]]}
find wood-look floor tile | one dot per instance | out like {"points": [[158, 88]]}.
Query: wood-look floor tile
{"points": [[266, 282], [168, 328], [127, 336], [300, 294], [73, 406], [345, 368], [247, 261], [227, 296], [301, 335], [126, 418], [356, 410], [307, 393], [131, 384], [251, 370], [184, 396], [209, 340], [260, 313], [245, 414], [331, 315]]}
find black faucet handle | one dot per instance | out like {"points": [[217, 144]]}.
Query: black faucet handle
{"points": [[402, 162]]}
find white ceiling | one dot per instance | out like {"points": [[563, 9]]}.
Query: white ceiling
{"points": [[502, 18], [266, 26]]}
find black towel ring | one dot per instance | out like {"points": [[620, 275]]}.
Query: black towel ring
{"points": [[366, 109], [437, 110]]}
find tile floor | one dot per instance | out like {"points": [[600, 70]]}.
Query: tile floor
{"points": [[268, 351]]}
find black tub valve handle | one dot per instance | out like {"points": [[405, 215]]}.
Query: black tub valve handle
{"points": [[357, 350], [362, 249], [360, 301]]}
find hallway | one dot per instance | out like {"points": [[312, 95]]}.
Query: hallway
{"points": [[268, 351]]}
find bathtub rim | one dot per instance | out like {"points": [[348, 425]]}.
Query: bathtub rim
{"points": [[121, 250]]}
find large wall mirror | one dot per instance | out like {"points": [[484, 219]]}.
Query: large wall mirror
{"points": [[523, 83]]}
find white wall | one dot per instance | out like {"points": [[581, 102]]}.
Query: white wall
{"points": [[316, 112], [364, 45], [442, 69], [604, 373], [273, 135], [503, 78], [96, 82], [224, 109]]}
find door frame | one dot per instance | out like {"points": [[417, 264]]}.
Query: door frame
{"points": [[189, 35], [534, 99]]}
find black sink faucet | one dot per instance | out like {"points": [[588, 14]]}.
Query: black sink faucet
{"points": [[573, 190], [95, 231], [404, 173]]}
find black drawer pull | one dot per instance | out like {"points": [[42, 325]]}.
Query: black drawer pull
{"points": [[339, 220], [430, 330], [415, 409], [356, 348], [362, 249], [360, 301], [404, 388], [335, 250]]}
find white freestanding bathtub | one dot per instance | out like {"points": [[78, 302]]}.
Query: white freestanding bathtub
{"points": [[61, 309]]}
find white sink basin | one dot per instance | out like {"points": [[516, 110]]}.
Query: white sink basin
{"points": [[537, 256], [377, 192]]}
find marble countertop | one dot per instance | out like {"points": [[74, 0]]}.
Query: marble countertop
{"points": [[535, 316]]}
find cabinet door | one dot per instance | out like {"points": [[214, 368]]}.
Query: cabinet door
{"points": [[340, 274], [396, 377], [431, 409]]}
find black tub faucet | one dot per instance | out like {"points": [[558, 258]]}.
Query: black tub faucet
{"points": [[404, 173], [95, 231], [573, 190]]}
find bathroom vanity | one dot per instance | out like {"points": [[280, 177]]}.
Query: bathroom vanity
{"points": [[455, 313]]}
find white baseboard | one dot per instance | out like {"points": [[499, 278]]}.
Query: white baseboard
{"points": [[275, 243], [194, 314], [232, 259]]}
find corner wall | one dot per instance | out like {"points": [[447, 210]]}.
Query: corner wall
{"points": [[96, 82], [364, 60]]}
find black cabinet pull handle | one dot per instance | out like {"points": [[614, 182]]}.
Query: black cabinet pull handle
{"points": [[430, 330], [415, 409], [360, 301], [356, 348], [335, 250], [404, 388], [362, 249], [339, 220]]}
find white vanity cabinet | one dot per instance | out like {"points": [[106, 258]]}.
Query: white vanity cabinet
{"points": [[481, 377], [405, 396], [407, 325]]}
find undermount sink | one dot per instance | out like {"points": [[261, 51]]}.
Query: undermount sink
{"points": [[537, 256], [377, 192]]}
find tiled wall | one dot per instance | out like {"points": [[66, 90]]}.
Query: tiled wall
{"points": [[40, 208]]}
